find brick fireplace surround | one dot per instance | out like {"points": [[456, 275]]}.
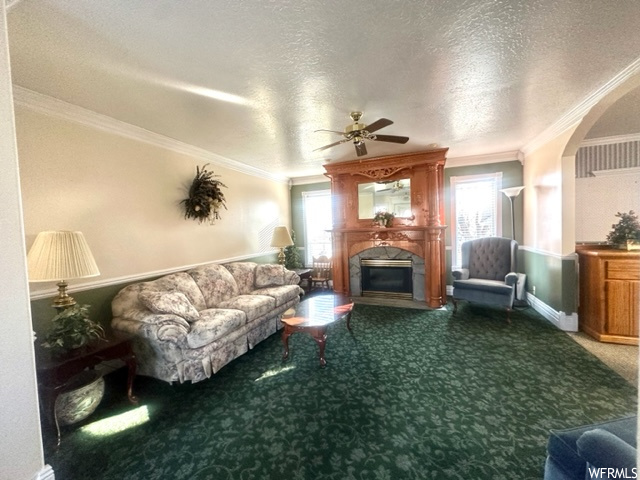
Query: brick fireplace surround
{"points": [[422, 234]]}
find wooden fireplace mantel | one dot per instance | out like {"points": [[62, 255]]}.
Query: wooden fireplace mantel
{"points": [[421, 234]]}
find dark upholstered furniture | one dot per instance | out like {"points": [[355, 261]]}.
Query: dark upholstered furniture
{"points": [[488, 273], [590, 451]]}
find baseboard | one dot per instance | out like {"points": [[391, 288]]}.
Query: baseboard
{"points": [[567, 323], [45, 474]]}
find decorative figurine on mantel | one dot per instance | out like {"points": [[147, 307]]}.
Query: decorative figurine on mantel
{"points": [[205, 197], [384, 219], [625, 234]]}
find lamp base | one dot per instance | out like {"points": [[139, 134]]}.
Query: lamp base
{"points": [[63, 300], [281, 256]]}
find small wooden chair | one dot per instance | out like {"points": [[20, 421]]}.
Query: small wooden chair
{"points": [[320, 272]]}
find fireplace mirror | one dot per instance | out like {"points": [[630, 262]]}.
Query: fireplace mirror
{"points": [[392, 196]]}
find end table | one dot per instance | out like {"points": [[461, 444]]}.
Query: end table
{"points": [[55, 372]]}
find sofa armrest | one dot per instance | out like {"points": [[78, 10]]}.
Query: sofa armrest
{"points": [[511, 279], [602, 449], [461, 274], [154, 327], [291, 277]]}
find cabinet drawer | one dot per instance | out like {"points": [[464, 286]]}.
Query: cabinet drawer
{"points": [[622, 270]]}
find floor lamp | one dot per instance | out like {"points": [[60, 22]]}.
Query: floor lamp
{"points": [[512, 193]]}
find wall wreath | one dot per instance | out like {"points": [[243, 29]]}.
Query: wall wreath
{"points": [[205, 197]]}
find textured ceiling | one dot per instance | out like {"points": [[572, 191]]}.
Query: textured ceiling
{"points": [[252, 80]]}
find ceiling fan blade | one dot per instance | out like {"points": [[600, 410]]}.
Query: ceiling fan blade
{"points": [[331, 131], [391, 138], [330, 145], [361, 149], [378, 124]]}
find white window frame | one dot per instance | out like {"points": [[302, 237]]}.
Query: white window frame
{"points": [[311, 218], [454, 182]]}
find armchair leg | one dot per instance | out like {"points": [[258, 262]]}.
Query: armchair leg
{"points": [[508, 315], [455, 305]]}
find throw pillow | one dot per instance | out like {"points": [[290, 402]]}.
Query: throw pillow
{"points": [[175, 303], [269, 275]]}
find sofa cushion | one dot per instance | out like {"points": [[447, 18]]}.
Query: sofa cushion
{"points": [[563, 450], [176, 303], [216, 283], [128, 297], [214, 324], [253, 306], [282, 294], [269, 275], [244, 275]]}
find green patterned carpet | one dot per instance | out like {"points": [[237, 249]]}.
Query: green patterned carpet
{"points": [[412, 394]]}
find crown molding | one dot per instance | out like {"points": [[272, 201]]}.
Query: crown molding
{"points": [[483, 159], [47, 105], [577, 113], [593, 142], [309, 180]]}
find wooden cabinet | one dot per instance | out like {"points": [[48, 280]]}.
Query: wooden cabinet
{"points": [[609, 307]]}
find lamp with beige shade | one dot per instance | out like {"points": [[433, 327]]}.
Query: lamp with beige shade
{"points": [[60, 256], [281, 239]]}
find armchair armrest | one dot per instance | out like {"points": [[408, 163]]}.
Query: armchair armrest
{"points": [[460, 274], [511, 279], [602, 449]]}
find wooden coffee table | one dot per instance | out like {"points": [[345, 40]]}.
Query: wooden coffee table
{"points": [[313, 316]]}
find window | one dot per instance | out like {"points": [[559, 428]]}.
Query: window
{"points": [[476, 209], [317, 220]]}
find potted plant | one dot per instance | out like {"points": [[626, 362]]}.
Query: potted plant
{"points": [[292, 255], [384, 219], [626, 233], [72, 328]]}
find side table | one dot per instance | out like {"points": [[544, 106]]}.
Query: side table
{"points": [[304, 274], [55, 372]]}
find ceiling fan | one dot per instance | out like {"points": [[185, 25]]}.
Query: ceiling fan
{"points": [[359, 132]]}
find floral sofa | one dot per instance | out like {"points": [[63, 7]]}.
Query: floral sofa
{"points": [[188, 325]]}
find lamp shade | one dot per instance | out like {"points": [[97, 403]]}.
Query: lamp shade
{"points": [[60, 255], [281, 237], [512, 192]]}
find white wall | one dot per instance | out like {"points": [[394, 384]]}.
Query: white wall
{"points": [[124, 195], [598, 199], [21, 455]]}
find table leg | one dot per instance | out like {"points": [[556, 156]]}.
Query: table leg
{"points": [[286, 333], [130, 360], [349, 321], [320, 336]]}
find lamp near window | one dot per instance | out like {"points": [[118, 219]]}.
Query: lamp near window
{"points": [[60, 256], [512, 193], [281, 239]]}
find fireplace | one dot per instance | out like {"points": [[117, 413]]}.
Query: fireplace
{"points": [[420, 232], [387, 278]]}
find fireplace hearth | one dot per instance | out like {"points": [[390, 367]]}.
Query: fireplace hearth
{"points": [[387, 278]]}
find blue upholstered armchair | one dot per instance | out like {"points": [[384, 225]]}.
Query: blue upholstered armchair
{"points": [[488, 273]]}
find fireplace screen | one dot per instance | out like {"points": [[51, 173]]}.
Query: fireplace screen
{"points": [[387, 278]]}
